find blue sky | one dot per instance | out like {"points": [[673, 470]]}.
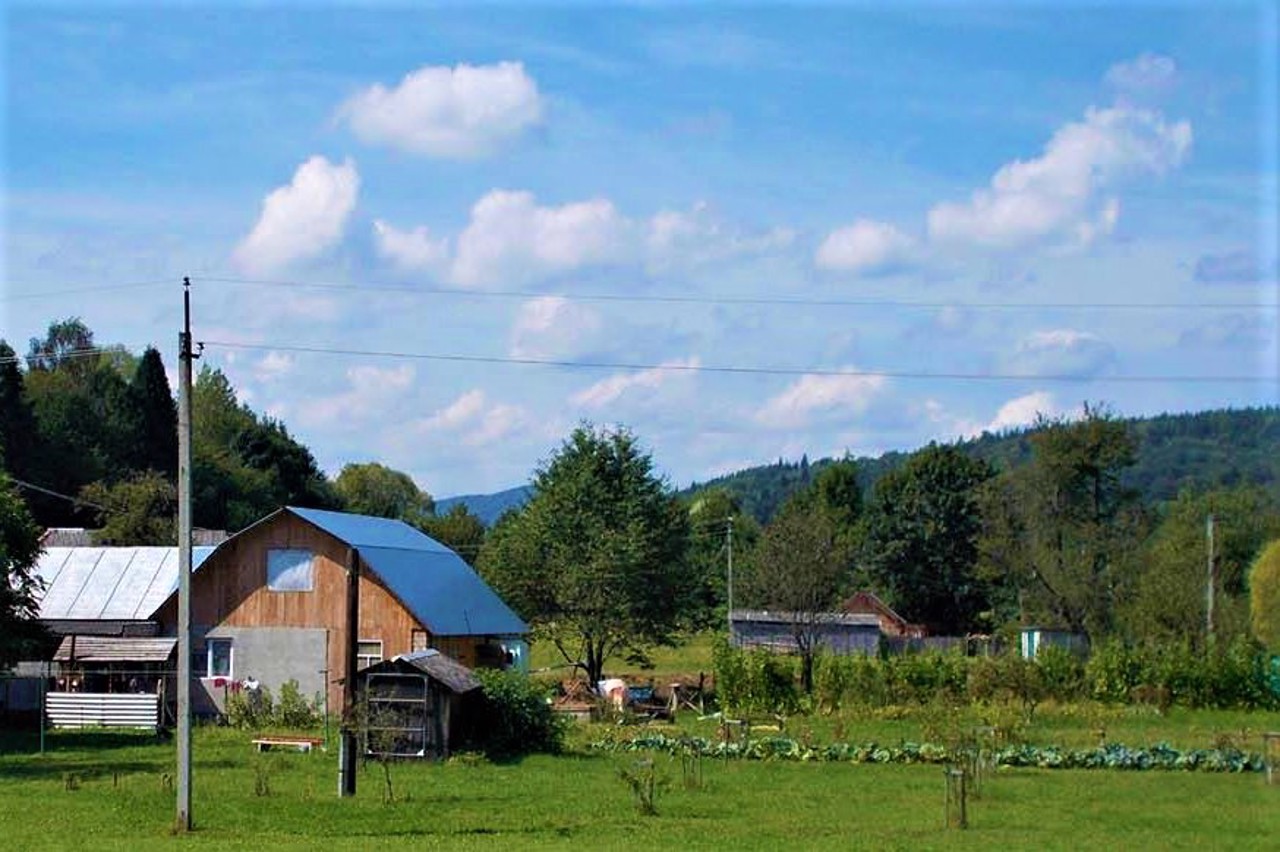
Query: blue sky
{"points": [[869, 202]]}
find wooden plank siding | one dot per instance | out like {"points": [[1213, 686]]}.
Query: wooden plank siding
{"points": [[230, 590]]}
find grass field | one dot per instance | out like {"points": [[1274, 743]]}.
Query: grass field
{"points": [[104, 791]]}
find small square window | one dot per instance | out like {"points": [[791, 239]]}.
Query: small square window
{"points": [[289, 570], [218, 658], [368, 653]]}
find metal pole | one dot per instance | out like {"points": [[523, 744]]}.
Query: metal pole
{"points": [[44, 688], [729, 542], [183, 821], [1210, 582]]}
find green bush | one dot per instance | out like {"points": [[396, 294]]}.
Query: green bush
{"points": [[754, 681], [294, 710], [513, 717], [253, 710]]}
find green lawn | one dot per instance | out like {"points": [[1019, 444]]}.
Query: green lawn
{"points": [[100, 791]]}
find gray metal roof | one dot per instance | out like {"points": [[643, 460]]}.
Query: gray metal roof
{"points": [[109, 649], [436, 584], [117, 583], [764, 616]]}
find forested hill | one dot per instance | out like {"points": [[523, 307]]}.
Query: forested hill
{"points": [[1204, 450]]}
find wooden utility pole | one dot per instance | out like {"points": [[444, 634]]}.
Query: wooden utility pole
{"points": [[729, 544], [183, 820], [351, 639], [1210, 584]]}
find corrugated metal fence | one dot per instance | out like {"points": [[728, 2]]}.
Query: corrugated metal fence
{"points": [[102, 710]]}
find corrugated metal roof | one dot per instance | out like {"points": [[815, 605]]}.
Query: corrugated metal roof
{"points": [[110, 649], [120, 583], [436, 584], [764, 616]]}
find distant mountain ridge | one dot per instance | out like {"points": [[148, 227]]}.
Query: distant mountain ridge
{"points": [[1200, 450], [487, 507]]}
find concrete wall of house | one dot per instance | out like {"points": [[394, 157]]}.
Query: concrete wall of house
{"points": [[272, 656]]}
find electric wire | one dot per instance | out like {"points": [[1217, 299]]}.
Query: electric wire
{"points": [[679, 367]]}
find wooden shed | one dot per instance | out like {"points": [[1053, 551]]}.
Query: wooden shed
{"points": [[410, 706]]}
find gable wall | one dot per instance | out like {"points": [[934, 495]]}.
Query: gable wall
{"points": [[230, 599]]}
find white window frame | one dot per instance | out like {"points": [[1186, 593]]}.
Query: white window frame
{"points": [[292, 574], [208, 657], [363, 661]]}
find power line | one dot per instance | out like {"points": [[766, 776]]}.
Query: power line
{"points": [[774, 301], [745, 370], [76, 291], [78, 501]]}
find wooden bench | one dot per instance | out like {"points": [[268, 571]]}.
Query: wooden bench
{"points": [[303, 744]]}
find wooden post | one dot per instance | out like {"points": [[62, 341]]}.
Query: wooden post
{"points": [[351, 639]]}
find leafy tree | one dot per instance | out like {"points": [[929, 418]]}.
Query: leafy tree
{"points": [[374, 489], [141, 510], [68, 345], [21, 633], [710, 512], [244, 467], [799, 568], [1079, 524], [158, 432], [459, 529], [1264, 596], [1169, 602], [595, 559], [923, 527], [17, 420]]}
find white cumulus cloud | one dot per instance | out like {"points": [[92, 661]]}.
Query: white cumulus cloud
{"points": [[371, 393], [1062, 351], [553, 327], [820, 395], [612, 389], [1023, 411], [1149, 74], [303, 219], [866, 246], [460, 112], [1062, 195], [413, 250], [511, 238], [473, 420]]}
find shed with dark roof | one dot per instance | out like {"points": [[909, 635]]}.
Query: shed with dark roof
{"points": [[411, 706]]}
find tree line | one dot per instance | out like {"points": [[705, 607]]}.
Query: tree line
{"points": [[607, 559]]}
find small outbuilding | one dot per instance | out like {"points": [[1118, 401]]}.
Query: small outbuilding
{"points": [[411, 705], [837, 632], [1035, 638]]}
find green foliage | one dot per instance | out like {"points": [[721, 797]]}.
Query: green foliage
{"points": [[294, 710], [800, 567], [375, 489], [596, 558], [457, 528], [644, 781], [1264, 596], [1169, 604], [140, 510], [1160, 756], [515, 717], [710, 513], [251, 710], [922, 540], [754, 682], [21, 633]]}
